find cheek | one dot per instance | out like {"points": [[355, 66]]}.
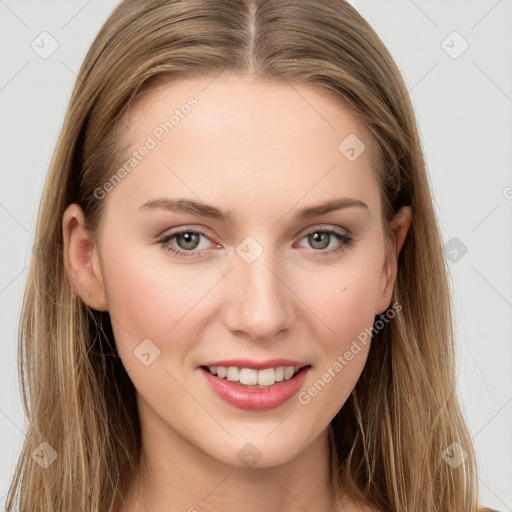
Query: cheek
{"points": [[344, 299], [346, 307], [151, 297], [146, 299], [134, 300]]}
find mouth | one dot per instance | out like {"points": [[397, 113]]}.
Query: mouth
{"points": [[255, 389], [255, 378]]}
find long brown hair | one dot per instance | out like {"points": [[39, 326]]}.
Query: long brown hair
{"points": [[389, 438]]}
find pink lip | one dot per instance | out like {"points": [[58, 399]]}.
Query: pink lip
{"points": [[257, 365], [255, 399]]}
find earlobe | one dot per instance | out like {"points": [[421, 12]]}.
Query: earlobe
{"points": [[81, 261]]}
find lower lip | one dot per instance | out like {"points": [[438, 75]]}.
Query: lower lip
{"points": [[256, 399]]}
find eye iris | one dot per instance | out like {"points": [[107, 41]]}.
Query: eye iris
{"points": [[316, 237], [191, 240]]}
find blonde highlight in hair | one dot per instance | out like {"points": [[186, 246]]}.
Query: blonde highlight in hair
{"points": [[387, 440]]}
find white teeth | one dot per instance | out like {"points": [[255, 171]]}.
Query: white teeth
{"points": [[232, 373], [288, 372], [266, 377], [251, 377], [248, 376]]}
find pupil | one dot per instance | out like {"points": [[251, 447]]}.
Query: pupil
{"points": [[190, 240], [317, 238]]}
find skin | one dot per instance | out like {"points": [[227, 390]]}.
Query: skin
{"points": [[263, 150]]}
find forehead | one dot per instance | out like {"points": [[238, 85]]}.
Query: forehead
{"points": [[258, 105], [241, 139]]}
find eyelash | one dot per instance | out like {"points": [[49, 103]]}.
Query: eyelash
{"points": [[346, 240]]}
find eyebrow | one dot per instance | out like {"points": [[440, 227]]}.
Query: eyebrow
{"points": [[205, 210]]}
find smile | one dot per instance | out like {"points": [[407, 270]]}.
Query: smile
{"points": [[251, 377], [255, 389]]}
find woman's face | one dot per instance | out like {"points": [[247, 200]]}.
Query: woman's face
{"points": [[258, 281]]}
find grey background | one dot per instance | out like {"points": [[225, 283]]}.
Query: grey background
{"points": [[464, 111]]}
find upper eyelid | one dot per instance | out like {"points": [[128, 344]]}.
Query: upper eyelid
{"points": [[186, 229], [324, 227]]}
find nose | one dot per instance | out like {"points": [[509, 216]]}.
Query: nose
{"points": [[260, 302]]}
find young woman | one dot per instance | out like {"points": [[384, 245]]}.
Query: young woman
{"points": [[238, 298]]}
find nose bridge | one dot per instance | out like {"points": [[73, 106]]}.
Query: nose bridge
{"points": [[259, 303]]}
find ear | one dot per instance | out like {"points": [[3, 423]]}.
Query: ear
{"points": [[400, 225], [81, 260]]}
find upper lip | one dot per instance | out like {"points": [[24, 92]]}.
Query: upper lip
{"points": [[257, 365]]}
